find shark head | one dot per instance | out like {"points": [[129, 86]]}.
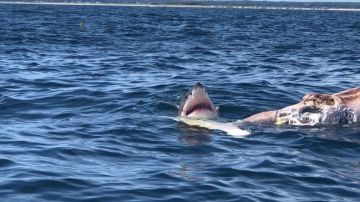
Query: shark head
{"points": [[197, 104]]}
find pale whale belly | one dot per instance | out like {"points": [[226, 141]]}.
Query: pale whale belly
{"points": [[230, 128]]}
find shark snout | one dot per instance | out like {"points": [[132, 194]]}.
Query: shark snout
{"points": [[198, 85]]}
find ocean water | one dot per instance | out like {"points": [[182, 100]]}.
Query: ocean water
{"points": [[83, 108]]}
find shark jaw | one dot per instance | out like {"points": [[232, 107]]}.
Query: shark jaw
{"points": [[197, 104]]}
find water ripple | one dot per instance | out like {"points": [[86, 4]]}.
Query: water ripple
{"points": [[83, 110]]}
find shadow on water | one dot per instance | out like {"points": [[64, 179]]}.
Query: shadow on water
{"points": [[191, 135]]}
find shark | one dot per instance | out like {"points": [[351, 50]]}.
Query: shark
{"points": [[197, 109]]}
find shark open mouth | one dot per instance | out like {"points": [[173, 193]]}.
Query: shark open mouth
{"points": [[197, 104], [197, 108]]}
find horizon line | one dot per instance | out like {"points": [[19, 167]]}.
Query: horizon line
{"points": [[167, 5]]}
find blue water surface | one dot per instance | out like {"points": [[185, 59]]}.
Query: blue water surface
{"points": [[85, 92]]}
